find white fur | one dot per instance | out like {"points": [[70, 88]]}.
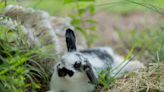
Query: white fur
{"points": [[79, 82], [76, 84]]}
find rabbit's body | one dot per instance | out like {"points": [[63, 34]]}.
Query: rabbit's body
{"points": [[78, 70], [80, 82]]}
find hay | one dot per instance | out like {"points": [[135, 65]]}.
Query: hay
{"points": [[150, 79]]}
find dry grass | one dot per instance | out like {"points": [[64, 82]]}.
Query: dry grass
{"points": [[150, 79]]}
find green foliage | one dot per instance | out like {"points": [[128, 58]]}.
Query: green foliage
{"points": [[70, 1], [3, 3], [87, 26], [126, 6], [51, 6], [22, 68], [146, 42], [54, 7], [106, 81]]}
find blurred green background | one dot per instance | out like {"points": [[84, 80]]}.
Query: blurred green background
{"points": [[55, 7]]}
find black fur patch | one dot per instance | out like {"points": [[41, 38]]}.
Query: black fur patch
{"points": [[102, 54], [63, 72], [77, 66], [89, 72], [70, 40]]}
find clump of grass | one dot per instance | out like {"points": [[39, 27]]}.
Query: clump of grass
{"points": [[108, 77], [146, 42], [141, 81], [148, 47], [22, 68], [106, 80]]}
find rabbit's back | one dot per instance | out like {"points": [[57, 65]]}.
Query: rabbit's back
{"points": [[100, 58]]}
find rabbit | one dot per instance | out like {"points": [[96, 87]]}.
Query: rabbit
{"points": [[78, 69]]}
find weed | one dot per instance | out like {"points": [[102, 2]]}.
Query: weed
{"points": [[22, 68]]}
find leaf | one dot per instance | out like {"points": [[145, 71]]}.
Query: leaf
{"points": [[81, 11], [2, 5], [92, 28], [91, 9], [76, 22], [68, 1], [71, 1], [83, 32], [86, 0]]}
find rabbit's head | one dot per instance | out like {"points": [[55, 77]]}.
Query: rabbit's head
{"points": [[73, 65]]}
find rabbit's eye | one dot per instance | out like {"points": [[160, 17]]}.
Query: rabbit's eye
{"points": [[77, 65]]}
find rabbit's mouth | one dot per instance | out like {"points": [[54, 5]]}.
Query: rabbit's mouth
{"points": [[62, 72]]}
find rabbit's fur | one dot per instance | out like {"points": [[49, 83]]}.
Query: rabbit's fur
{"points": [[78, 70]]}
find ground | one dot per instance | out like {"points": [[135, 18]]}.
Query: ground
{"points": [[108, 27]]}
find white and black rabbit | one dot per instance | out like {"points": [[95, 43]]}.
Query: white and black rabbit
{"points": [[78, 70]]}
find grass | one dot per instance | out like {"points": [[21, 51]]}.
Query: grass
{"points": [[22, 68], [146, 42], [126, 6], [148, 48], [141, 81], [54, 7], [57, 7]]}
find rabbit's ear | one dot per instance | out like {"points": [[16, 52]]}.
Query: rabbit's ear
{"points": [[70, 40], [90, 73]]}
